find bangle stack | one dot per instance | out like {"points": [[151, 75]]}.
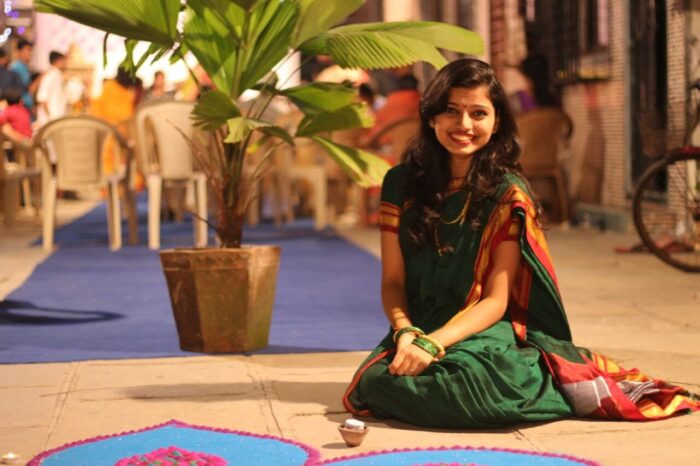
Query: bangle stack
{"points": [[410, 329], [430, 345]]}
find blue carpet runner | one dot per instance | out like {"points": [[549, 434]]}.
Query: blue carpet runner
{"points": [[86, 302]]}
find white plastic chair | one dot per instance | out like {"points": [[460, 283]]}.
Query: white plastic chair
{"points": [[303, 163], [168, 162], [13, 178], [16, 176], [71, 150]]}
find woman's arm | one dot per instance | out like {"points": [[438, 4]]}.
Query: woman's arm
{"points": [[393, 281], [394, 301]]}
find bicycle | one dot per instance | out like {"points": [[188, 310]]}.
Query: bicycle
{"points": [[666, 203]]}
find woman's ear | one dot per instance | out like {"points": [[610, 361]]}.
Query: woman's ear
{"points": [[495, 126], [431, 123]]}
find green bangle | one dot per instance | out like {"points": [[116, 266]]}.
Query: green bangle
{"points": [[414, 330], [427, 346]]}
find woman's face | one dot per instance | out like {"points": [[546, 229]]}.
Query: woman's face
{"points": [[467, 123]]}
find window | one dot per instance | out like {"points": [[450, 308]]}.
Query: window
{"points": [[574, 34]]}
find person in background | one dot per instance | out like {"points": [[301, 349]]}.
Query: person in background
{"points": [[116, 102], [367, 96], [116, 105], [52, 102], [402, 103], [8, 78], [21, 67], [538, 91], [385, 81], [139, 91], [15, 119], [157, 89], [192, 88]]}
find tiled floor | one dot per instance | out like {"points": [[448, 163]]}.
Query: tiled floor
{"points": [[631, 307]]}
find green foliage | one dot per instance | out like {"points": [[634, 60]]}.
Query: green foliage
{"points": [[364, 168], [317, 16], [352, 116], [390, 45], [240, 42], [147, 20], [213, 110], [320, 97]]}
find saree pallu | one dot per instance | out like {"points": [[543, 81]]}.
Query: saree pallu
{"points": [[523, 368]]}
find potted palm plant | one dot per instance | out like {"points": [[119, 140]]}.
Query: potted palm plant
{"points": [[222, 298]]}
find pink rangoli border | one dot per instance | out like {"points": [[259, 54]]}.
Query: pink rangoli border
{"points": [[314, 455], [505, 450], [313, 458]]}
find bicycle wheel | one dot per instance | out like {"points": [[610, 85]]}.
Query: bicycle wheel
{"points": [[666, 209]]}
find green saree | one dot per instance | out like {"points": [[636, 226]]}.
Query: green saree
{"points": [[523, 368]]}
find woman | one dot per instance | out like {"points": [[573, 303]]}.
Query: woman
{"points": [[479, 336]]}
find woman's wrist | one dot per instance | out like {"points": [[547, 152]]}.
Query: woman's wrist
{"points": [[430, 345], [407, 329]]}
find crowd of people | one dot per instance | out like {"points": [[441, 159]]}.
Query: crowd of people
{"points": [[29, 99]]}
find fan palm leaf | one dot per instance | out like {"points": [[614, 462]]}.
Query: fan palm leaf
{"points": [[388, 45], [152, 20]]}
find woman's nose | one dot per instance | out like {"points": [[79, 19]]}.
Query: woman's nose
{"points": [[466, 120]]}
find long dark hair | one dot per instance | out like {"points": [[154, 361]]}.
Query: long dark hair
{"points": [[428, 162]]}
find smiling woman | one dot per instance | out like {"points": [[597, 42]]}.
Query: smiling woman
{"points": [[479, 335], [465, 126]]}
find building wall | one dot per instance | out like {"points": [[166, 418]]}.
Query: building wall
{"points": [[597, 164], [598, 157]]}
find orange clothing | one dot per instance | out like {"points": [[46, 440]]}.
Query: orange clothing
{"points": [[115, 105], [404, 103]]}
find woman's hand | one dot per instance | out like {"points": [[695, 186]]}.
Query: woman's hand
{"points": [[409, 360]]}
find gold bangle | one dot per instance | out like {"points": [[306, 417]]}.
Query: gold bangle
{"points": [[438, 345]]}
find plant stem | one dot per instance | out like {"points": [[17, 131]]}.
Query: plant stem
{"points": [[230, 228]]}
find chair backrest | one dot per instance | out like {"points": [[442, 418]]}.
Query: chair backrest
{"points": [[167, 120], [541, 131], [305, 151], [75, 144], [397, 135]]}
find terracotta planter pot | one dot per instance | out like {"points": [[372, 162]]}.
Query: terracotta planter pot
{"points": [[222, 298]]}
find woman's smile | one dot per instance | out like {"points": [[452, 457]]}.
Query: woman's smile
{"points": [[461, 137]]}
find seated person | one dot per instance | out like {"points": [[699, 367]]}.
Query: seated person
{"points": [[15, 119], [538, 90], [400, 104]]}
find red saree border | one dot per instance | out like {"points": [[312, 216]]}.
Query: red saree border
{"points": [[356, 379]]}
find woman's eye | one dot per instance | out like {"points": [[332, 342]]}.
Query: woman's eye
{"points": [[451, 110]]}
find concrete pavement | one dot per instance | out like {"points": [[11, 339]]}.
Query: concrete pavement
{"points": [[631, 307]]}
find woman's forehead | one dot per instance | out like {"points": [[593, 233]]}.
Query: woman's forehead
{"points": [[470, 96]]}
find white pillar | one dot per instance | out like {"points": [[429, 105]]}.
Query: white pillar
{"points": [[401, 10], [482, 25]]}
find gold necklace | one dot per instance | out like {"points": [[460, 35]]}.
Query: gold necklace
{"points": [[462, 214], [459, 219]]}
